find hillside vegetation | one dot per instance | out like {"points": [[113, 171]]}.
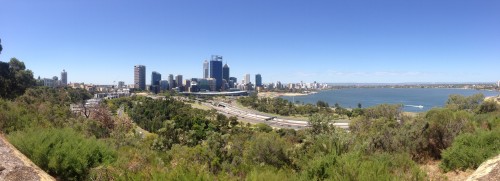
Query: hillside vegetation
{"points": [[170, 140]]}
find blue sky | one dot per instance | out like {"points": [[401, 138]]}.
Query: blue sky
{"points": [[356, 41]]}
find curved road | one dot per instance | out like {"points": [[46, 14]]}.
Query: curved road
{"points": [[252, 117]]}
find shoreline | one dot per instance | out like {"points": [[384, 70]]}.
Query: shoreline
{"points": [[493, 98], [280, 94]]}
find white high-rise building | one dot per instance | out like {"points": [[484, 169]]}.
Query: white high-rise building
{"points": [[205, 69], [498, 83], [246, 79]]}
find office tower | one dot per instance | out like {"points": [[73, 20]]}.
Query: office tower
{"points": [[121, 84], [246, 79], [155, 78], [171, 82], [64, 78], [187, 83], [258, 80], [163, 85], [216, 71], [140, 77], [178, 81], [206, 72], [225, 72], [155, 82]]}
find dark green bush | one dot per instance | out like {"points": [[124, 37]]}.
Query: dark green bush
{"points": [[63, 153], [470, 150]]}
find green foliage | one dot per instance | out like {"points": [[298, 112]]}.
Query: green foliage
{"points": [[320, 123], [282, 107], [14, 79], [270, 173], [62, 152], [39, 107], [261, 127], [356, 166], [388, 111], [14, 117], [470, 150], [267, 149], [459, 102], [322, 104], [444, 126], [488, 106]]}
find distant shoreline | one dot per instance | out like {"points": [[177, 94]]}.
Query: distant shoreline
{"points": [[279, 94]]}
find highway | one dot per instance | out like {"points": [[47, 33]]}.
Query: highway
{"points": [[252, 117]]}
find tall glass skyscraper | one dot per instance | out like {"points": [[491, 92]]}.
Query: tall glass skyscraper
{"points": [[64, 78], [155, 82], [225, 72], [140, 77], [216, 71], [258, 80], [171, 82], [155, 78]]}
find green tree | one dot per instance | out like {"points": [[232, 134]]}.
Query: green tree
{"points": [[459, 102], [487, 107], [444, 126], [14, 79]]}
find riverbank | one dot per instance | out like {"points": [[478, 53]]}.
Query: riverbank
{"points": [[279, 94], [493, 98]]}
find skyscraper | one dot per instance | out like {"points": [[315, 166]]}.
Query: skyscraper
{"points": [[155, 78], [206, 72], [178, 81], [171, 82], [258, 80], [155, 82], [140, 77], [64, 78], [246, 79], [163, 85], [225, 72], [216, 71]]}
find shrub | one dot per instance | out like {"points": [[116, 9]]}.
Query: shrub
{"points": [[63, 153], [380, 166], [444, 126], [267, 149], [470, 150]]}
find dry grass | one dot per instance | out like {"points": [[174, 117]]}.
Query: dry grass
{"points": [[435, 173]]}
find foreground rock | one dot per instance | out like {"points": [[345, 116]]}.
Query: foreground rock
{"points": [[15, 166], [489, 170]]}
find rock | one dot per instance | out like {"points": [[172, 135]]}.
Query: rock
{"points": [[489, 170]]}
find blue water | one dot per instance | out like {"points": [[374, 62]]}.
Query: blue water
{"points": [[349, 98]]}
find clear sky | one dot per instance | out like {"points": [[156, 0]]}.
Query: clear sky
{"points": [[337, 41]]}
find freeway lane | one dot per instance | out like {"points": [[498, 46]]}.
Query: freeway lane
{"points": [[254, 118]]}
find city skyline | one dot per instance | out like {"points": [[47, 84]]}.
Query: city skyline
{"points": [[331, 42]]}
